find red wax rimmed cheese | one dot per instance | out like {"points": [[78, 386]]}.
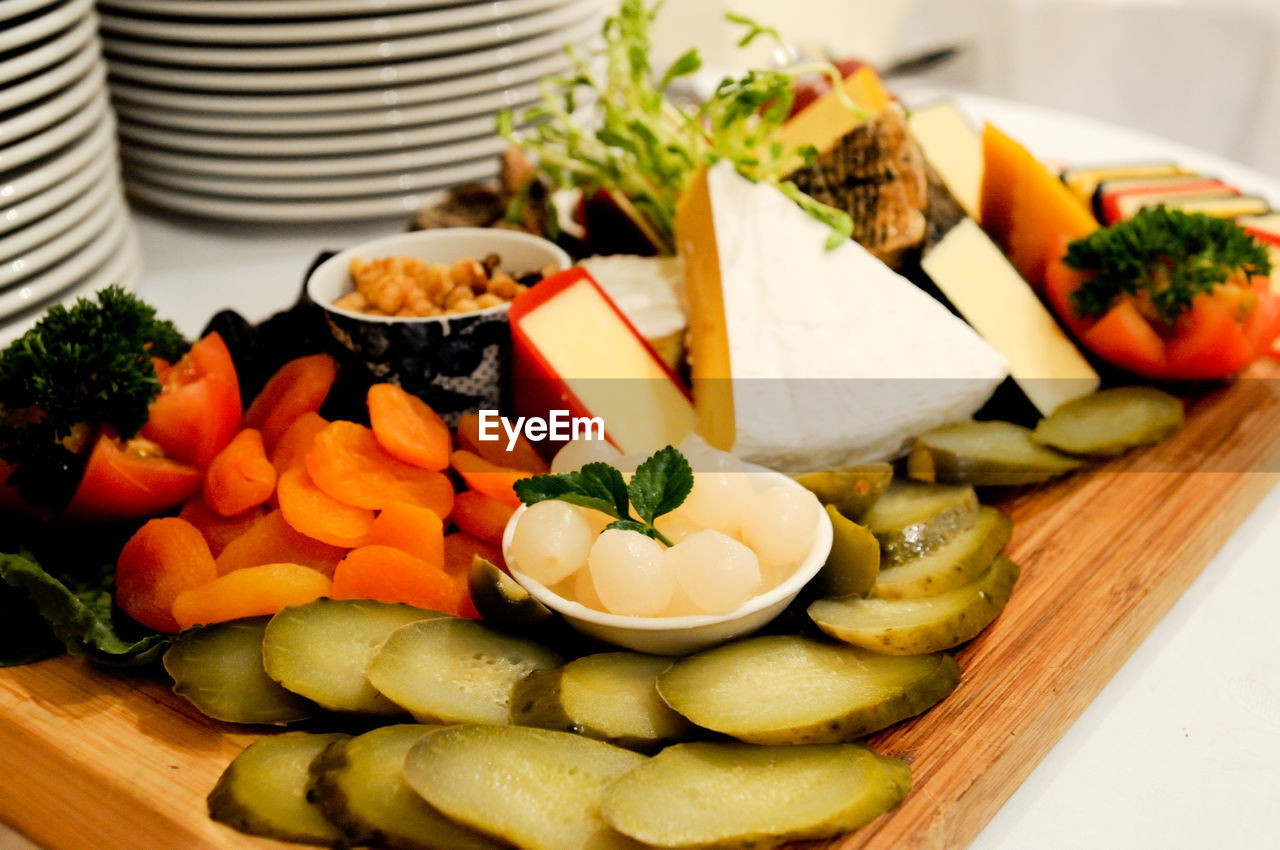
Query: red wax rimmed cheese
{"points": [[574, 351]]}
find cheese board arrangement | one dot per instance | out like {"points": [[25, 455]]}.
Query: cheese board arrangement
{"points": [[755, 493]]}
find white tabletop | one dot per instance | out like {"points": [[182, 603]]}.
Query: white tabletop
{"points": [[1181, 751]]}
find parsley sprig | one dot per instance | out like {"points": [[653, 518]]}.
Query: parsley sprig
{"points": [[646, 147], [659, 486], [1164, 256]]}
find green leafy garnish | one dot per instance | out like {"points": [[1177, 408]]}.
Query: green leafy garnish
{"points": [[1165, 257], [659, 486], [76, 369], [79, 616], [646, 148]]}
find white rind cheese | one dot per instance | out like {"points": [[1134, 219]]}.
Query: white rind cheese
{"points": [[834, 357]]}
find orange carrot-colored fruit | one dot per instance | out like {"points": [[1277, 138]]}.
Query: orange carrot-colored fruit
{"points": [[496, 482], [292, 447], [481, 516], [347, 462], [161, 560], [522, 455], [271, 540], [413, 528], [251, 592], [218, 530], [316, 514], [460, 548], [301, 385], [240, 476], [393, 575], [408, 428]]}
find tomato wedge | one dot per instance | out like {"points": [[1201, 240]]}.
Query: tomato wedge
{"points": [[198, 409], [1220, 334], [121, 481]]}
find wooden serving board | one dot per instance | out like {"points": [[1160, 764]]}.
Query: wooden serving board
{"points": [[92, 758]]}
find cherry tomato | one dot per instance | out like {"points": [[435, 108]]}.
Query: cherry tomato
{"points": [[198, 410]]}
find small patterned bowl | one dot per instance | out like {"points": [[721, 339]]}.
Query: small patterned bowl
{"points": [[456, 363]]}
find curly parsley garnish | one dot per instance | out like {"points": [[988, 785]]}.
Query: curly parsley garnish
{"points": [[1166, 257], [76, 369], [659, 486]]}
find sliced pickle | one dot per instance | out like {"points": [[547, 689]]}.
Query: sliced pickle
{"points": [[922, 625], [264, 790], [322, 650], [359, 784], [610, 696], [957, 562], [985, 454], [788, 689], [854, 560], [1111, 421], [533, 788], [455, 671], [502, 602], [851, 489], [912, 518], [218, 669], [728, 794]]}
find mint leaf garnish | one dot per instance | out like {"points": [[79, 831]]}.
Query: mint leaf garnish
{"points": [[659, 486]]}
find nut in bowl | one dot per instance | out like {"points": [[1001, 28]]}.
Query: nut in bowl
{"points": [[453, 354], [704, 584]]}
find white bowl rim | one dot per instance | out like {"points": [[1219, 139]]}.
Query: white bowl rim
{"points": [[444, 234], [791, 587]]}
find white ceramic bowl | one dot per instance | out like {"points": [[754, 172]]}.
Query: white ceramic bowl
{"points": [[456, 363], [680, 635]]}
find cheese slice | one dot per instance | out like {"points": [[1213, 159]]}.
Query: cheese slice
{"points": [[804, 357], [827, 120], [574, 350], [987, 290], [953, 148]]}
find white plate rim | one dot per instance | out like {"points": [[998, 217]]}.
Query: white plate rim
{"points": [[322, 166], [68, 283], [370, 141], [48, 54], [47, 240], [391, 207], [47, 24], [75, 66], [384, 50], [374, 76], [383, 118], [32, 211], [14, 8], [54, 138], [348, 188], [395, 95], [275, 8], [100, 140], [282, 31], [56, 108]]}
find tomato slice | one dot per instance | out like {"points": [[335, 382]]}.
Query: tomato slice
{"points": [[1208, 343], [122, 482], [1060, 281], [198, 409], [1262, 326], [1124, 338]]}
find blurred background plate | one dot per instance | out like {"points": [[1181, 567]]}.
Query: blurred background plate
{"points": [[49, 52], [13, 8], [51, 20], [49, 111], [26, 183], [33, 250], [373, 76], [54, 137], [451, 95], [81, 61], [392, 206], [22, 226], [285, 9], [276, 32]]}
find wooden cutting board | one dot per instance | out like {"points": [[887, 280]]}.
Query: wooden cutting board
{"points": [[98, 759]]}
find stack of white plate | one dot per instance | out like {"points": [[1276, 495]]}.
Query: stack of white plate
{"points": [[324, 110], [64, 225]]}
